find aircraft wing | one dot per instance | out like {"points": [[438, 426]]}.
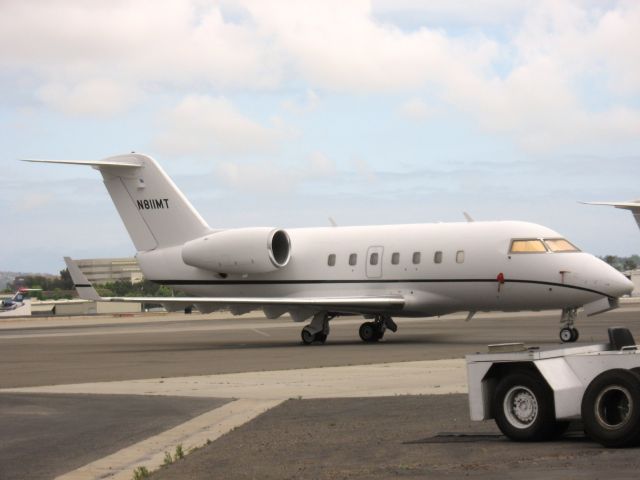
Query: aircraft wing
{"points": [[353, 304]]}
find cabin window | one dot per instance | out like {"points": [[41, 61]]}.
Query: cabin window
{"points": [[460, 256], [437, 257], [373, 259], [395, 258], [416, 258], [560, 245], [353, 259], [331, 261], [532, 245]]}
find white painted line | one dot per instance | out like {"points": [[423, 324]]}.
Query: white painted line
{"points": [[265, 334], [377, 380], [192, 434]]}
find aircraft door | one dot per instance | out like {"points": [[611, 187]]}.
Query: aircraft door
{"points": [[374, 262]]}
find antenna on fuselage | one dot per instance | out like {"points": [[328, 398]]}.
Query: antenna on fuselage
{"points": [[332, 222], [468, 217]]}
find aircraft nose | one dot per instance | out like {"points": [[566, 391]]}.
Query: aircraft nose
{"points": [[617, 284]]}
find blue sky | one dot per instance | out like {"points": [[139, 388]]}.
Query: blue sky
{"points": [[286, 113]]}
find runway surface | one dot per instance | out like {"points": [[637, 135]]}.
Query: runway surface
{"points": [[256, 364]]}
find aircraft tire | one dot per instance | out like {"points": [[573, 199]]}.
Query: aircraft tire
{"points": [[611, 408], [368, 332], [321, 337], [307, 337], [523, 408], [576, 334], [566, 335]]}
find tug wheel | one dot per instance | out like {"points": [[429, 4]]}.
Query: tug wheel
{"points": [[523, 408], [611, 408]]}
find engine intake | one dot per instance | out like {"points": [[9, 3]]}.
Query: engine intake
{"points": [[241, 250]]}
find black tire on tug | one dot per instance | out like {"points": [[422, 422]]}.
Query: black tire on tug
{"points": [[611, 408], [523, 408], [368, 332]]}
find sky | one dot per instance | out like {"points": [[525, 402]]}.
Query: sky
{"points": [[285, 113]]}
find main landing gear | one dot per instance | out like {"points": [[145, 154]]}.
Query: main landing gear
{"points": [[317, 330], [373, 331], [568, 333]]}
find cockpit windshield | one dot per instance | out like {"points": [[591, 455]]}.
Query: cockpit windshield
{"points": [[560, 245], [527, 245], [540, 245]]}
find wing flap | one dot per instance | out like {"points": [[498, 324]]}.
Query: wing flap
{"points": [[342, 304]]}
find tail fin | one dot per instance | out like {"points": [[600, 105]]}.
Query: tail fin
{"points": [[80, 281], [633, 207], [155, 213]]}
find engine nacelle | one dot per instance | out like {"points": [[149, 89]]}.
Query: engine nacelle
{"points": [[241, 250]]}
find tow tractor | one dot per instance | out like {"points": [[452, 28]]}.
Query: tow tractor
{"points": [[533, 393]]}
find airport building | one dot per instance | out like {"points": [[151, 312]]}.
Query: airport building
{"points": [[65, 308], [105, 270]]}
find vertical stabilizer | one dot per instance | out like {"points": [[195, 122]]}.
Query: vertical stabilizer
{"points": [[154, 211]]}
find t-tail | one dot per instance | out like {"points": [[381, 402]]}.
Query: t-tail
{"points": [[153, 209]]}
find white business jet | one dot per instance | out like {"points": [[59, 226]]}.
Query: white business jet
{"points": [[321, 273]]}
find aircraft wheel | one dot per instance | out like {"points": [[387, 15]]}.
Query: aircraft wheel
{"points": [[576, 334], [524, 410], [611, 408], [368, 332], [321, 337], [566, 335], [307, 337]]}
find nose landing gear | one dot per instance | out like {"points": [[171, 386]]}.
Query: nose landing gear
{"points": [[371, 332], [568, 333]]}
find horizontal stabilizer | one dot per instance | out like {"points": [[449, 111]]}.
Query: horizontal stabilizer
{"points": [[633, 207], [92, 163], [80, 282]]}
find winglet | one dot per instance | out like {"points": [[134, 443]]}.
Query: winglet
{"points": [[80, 282]]}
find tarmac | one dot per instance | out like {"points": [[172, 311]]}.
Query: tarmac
{"points": [[97, 397]]}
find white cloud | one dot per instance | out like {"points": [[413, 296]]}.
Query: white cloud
{"points": [[93, 97], [32, 201], [201, 124], [178, 43], [269, 176], [415, 109], [303, 104], [437, 12], [339, 46], [532, 81]]}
